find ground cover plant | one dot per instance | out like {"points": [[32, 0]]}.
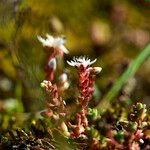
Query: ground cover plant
{"points": [[72, 119], [85, 84]]}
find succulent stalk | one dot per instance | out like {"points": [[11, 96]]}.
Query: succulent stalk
{"points": [[86, 75]]}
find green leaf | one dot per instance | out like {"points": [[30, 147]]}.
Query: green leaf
{"points": [[133, 67]]}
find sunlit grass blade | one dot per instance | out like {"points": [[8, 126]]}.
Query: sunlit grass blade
{"points": [[133, 67]]}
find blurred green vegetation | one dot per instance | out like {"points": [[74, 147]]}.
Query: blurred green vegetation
{"points": [[110, 30]]}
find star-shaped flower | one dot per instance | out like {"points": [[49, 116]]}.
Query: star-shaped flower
{"points": [[54, 42], [81, 61]]}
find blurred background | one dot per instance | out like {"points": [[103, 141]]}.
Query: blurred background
{"points": [[112, 31]]}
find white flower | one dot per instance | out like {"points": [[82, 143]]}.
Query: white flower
{"points": [[77, 62], [51, 41]]}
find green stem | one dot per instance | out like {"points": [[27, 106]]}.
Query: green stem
{"points": [[133, 67]]}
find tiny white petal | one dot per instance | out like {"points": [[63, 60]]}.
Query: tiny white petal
{"points": [[41, 40], [59, 41], [71, 63], [92, 62], [49, 37], [64, 49]]}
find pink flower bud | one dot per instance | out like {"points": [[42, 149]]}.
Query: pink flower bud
{"points": [[52, 64]]}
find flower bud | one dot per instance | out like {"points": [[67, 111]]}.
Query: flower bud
{"points": [[97, 69], [141, 141], [42, 85], [52, 64], [142, 114], [63, 77], [64, 127], [139, 106], [56, 116], [144, 124], [45, 84], [66, 85]]}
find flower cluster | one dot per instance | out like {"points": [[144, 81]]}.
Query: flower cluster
{"points": [[127, 132], [131, 132], [81, 62], [54, 103], [86, 75], [120, 127], [53, 47], [55, 43]]}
